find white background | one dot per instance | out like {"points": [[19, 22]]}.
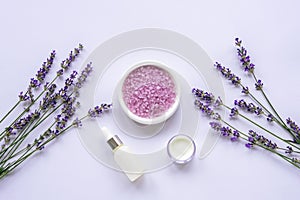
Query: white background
{"points": [[270, 31]]}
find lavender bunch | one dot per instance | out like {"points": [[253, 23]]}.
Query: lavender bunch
{"points": [[286, 148], [48, 107]]}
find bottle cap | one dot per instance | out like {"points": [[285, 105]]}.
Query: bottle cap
{"points": [[113, 140]]}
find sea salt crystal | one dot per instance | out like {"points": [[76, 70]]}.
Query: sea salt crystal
{"points": [[149, 91]]}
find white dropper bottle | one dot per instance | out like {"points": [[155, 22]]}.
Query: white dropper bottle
{"points": [[122, 156]]}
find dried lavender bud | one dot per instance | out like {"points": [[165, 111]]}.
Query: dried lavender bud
{"points": [[77, 123], [245, 90], [83, 76], [203, 96], [244, 57], [65, 64], [235, 136], [216, 125], [218, 102], [248, 107], [254, 138], [226, 72], [270, 118], [259, 85], [293, 125], [98, 110], [204, 108], [233, 112], [225, 131]]}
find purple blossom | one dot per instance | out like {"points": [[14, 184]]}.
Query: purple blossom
{"points": [[24, 121], [295, 128], [251, 139], [252, 133], [249, 145], [204, 108], [23, 97], [244, 57], [259, 85], [226, 72], [34, 83], [245, 90], [98, 110], [270, 118], [216, 125], [293, 125], [203, 96], [77, 123], [250, 107], [289, 150], [255, 138], [40, 77], [69, 81], [218, 102], [44, 70], [216, 116], [233, 112], [83, 76], [226, 131], [235, 136], [65, 64]]}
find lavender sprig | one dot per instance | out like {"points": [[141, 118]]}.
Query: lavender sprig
{"points": [[252, 138], [39, 143], [14, 151], [249, 67], [226, 72], [65, 64], [34, 82]]}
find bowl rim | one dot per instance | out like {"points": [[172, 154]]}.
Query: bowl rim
{"points": [[160, 118]]}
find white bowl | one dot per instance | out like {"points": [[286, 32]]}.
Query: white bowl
{"points": [[165, 115]]}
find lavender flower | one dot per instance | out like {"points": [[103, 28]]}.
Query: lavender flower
{"points": [[204, 101], [204, 108], [259, 85], [216, 125], [203, 96], [77, 122], [293, 126], [98, 110], [23, 97], [248, 107], [24, 121], [225, 131], [40, 77], [270, 118], [233, 112], [295, 129], [65, 64], [245, 90], [44, 70], [244, 57], [236, 135], [226, 72], [260, 139], [289, 150], [83, 76], [249, 145], [13, 150], [218, 102]]}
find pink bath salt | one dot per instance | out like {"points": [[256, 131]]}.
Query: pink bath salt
{"points": [[149, 91]]}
